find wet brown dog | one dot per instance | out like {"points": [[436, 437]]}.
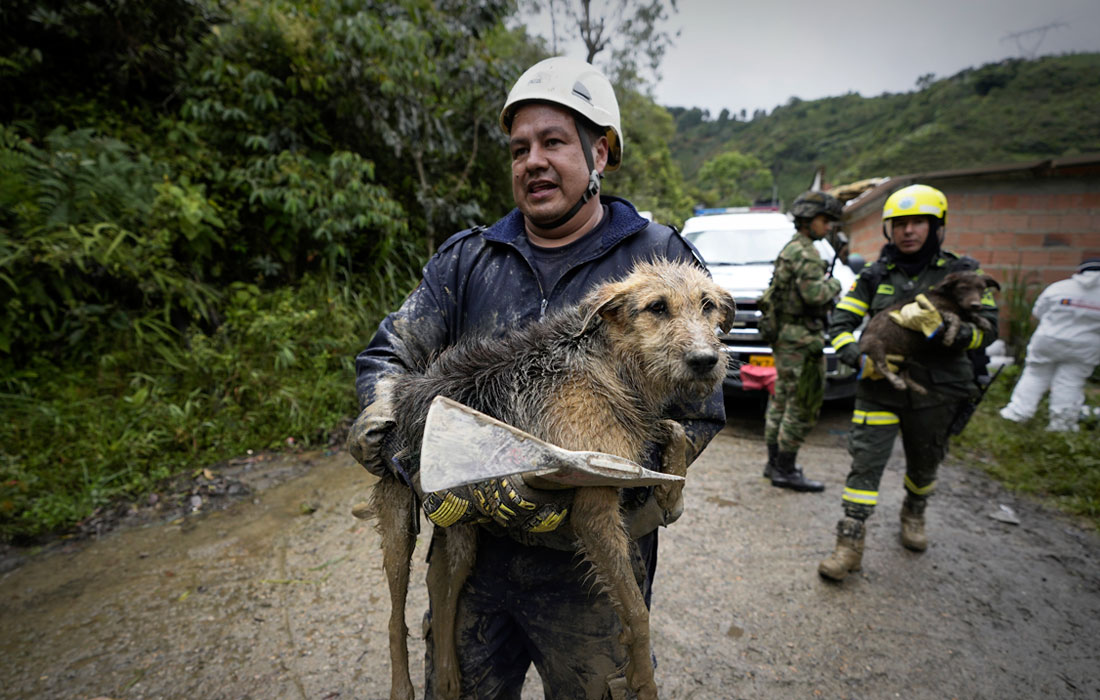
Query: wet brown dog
{"points": [[594, 377], [958, 298]]}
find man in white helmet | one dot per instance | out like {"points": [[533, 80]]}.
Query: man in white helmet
{"points": [[527, 599]]}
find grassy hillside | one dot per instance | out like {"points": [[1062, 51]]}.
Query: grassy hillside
{"points": [[1001, 112]]}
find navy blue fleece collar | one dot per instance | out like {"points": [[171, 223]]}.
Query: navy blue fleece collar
{"points": [[623, 221]]}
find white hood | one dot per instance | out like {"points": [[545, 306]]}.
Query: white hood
{"points": [[1087, 279], [743, 281]]}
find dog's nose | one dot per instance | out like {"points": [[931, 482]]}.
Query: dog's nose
{"points": [[976, 306], [701, 360]]}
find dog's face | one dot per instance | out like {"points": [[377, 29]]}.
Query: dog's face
{"points": [[967, 288], [664, 317]]}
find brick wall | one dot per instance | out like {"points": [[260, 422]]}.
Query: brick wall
{"points": [[1039, 221], [1031, 222]]}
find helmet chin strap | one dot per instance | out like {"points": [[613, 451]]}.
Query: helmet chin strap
{"points": [[593, 188]]}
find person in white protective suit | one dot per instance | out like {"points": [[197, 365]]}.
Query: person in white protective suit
{"points": [[1064, 350]]}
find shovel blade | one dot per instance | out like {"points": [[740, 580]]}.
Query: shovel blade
{"points": [[464, 446]]}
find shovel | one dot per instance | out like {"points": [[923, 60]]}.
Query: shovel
{"points": [[464, 446]]}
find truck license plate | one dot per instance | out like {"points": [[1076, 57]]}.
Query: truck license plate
{"points": [[762, 360]]}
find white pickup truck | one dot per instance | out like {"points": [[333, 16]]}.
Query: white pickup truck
{"points": [[740, 246]]}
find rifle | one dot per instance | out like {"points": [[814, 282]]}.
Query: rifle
{"points": [[967, 408], [838, 241]]}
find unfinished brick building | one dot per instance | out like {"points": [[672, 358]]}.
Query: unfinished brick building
{"points": [[1033, 221]]}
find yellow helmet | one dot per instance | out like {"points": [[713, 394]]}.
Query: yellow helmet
{"points": [[916, 200]]}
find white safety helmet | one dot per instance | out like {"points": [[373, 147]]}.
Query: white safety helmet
{"points": [[574, 84]]}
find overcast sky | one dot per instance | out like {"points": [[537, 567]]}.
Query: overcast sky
{"points": [[756, 55]]}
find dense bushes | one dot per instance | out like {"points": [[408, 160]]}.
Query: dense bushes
{"points": [[278, 365], [205, 208]]}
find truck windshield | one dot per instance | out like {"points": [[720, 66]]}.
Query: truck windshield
{"points": [[746, 247]]}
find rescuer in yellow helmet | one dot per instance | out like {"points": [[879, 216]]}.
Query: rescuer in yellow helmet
{"points": [[914, 221]]}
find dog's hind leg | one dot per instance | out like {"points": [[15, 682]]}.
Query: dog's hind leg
{"points": [[393, 504], [599, 528], [448, 570]]}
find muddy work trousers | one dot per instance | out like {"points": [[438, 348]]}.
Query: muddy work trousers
{"points": [[799, 392], [524, 605], [871, 439]]}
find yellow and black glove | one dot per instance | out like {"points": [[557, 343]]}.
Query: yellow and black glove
{"points": [[507, 501], [919, 315], [867, 369]]}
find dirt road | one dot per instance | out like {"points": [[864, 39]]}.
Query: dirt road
{"points": [[282, 595]]}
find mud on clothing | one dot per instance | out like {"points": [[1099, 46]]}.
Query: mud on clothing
{"points": [[503, 625], [805, 293], [880, 409], [486, 281]]}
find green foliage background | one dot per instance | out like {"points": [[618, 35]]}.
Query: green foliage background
{"points": [[206, 206], [1015, 110]]}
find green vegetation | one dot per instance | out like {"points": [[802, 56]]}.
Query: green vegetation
{"points": [[278, 366], [732, 179], [206, 206], [1015, 110], [1062, 469]]}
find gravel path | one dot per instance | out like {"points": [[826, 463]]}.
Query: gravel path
{"points": [[281, 595]]}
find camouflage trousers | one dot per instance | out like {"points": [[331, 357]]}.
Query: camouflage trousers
{"points": [[526, 605], [871, 440], [799, 391]]}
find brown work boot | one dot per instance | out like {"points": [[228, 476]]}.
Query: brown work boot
{"points": [[912, 523], [848, 554]]}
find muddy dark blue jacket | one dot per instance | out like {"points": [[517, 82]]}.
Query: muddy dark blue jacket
{"points": [[481, 281]]}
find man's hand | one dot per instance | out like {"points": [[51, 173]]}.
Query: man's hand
{"points": [[510, 502], [919, 315], [867, 369], [849, 355], [371, 440], [507, 501]]}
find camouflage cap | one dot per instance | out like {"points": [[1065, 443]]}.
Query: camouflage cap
{"points": [[813, 202]]}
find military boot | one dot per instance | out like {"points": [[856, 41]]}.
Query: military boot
{"points": [[788, 475], [912, 523], [769, 468], [848, 555]]}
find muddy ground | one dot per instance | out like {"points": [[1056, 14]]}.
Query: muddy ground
{"points": [[281, 594]]}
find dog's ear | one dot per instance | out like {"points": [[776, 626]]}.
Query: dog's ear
{"points": [[602, 304], [948, 283], [728, 308], [990, 282]]}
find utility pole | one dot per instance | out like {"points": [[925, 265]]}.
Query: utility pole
{"points": [[1039, 33]]}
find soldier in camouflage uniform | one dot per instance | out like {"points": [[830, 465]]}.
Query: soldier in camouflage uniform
{"points": [[803, 294], [914, 221]]}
